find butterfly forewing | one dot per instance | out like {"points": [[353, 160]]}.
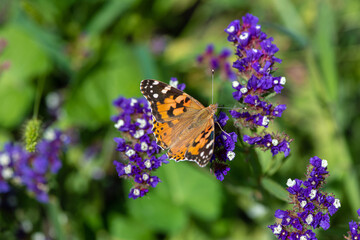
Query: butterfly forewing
{"points": [[167, 102]]}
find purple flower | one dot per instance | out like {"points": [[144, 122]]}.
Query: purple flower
{"points": [[311, 206], [218, 62], [31, 169], [255, 65], [270, 141]]}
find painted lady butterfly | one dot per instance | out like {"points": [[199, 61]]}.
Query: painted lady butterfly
{"points": [[181, 124]]}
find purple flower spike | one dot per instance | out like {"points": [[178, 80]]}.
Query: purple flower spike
{"points": [[311, 206], [255, 65]]}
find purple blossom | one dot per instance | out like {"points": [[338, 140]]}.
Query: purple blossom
{"points": [[311, 206], [274, 142], [137, 143], [218, 62], [31, 169], [354, 227], [255, 65]]}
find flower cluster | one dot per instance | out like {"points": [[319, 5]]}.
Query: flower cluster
{"points": [[275, 142], [217, 62], [354, 232], [223, 149], [137, 143], [311, 206], [255, 65], [19, 167]]}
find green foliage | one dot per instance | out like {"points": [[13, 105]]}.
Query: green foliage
{"points": [[91, 52]]}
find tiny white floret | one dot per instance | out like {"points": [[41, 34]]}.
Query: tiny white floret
{"points": [[290, 182], [235, 84], [282, 80], [133, 101], [145, 176], [275, 142], [144, 146], [130, 152], [230, 155], [49, 134], [278, 229], [127, 169], [313, 193], [244, 36], [265, 121], [7, 173], [142, 122], [309, 219], [324, 163], [243, 90], [337, 203], [231, 29], [139, 133], [303, 203], [4, 159], [136, 192], [147, 163], [119, 123]]}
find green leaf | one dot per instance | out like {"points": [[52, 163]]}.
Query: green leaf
{"points": [[274, 188], [126, 228]]}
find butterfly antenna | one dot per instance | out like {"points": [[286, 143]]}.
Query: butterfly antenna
{"points": [[212, 86], [223, 129]]}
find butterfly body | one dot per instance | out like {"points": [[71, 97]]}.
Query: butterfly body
{"points": [[181, 124]]}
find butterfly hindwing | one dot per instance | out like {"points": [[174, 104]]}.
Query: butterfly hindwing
{"points": [[202, 147]]}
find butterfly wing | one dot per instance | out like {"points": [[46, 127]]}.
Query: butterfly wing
{"points": [[168, 103]]}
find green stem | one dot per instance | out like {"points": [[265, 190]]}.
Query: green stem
{"points": [[53, 212]]}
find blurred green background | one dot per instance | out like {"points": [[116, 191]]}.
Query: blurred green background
{"points": [[88, 52]]}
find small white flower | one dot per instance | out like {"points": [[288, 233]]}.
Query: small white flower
{"points": [[130, 152], [309, 219], [119, 123], [282, 80], [139, 133], [230, 29], [147, 163], [303, 238], [142, 122], [276, 81], [49, 134], [313, 193], [324, 163], [244, 35], [224, 137], [4, 159], [133, 101], [275, 142], [278, 229], [136, 192], [303, 203], [230, 155], [174, 83], [127, 169], [290, 182], [7, 173], [254, 50], [235, 84], [144, 146], [145, 176], [268, 144], [258, 27], [265, 121], [243, 90], [337, 203]]}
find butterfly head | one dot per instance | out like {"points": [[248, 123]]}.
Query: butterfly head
{"points": [[212, 108]]}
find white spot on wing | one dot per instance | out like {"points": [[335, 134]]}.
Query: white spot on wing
{"points": [[156, 95], [156, 82]]}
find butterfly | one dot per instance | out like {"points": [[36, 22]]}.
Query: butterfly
{"points": [[181, 124]]}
